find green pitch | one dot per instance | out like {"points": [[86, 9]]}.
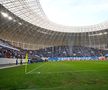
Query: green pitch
{"points": [[64, 75]]}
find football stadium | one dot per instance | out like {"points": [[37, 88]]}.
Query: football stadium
{"points": [[39, 54]]}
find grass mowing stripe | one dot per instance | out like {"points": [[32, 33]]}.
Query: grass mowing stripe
{"points": [[36, 68], [50, 88], [9, 66]]}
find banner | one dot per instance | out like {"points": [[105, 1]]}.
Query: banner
{"points": [[72, 58]]}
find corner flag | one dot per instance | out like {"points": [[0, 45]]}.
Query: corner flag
{"points": [[26, 61]]}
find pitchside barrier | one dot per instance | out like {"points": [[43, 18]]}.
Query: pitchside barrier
{"points": [[10, 60]]}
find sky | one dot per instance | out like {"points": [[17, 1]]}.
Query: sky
{"points": [[76, 12]]}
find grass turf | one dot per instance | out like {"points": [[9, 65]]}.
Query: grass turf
{"points": [[65, 75]]}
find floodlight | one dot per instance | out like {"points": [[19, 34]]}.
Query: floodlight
{"points": [[10, 18], [105, 32], [20, 23], [4, 14]]}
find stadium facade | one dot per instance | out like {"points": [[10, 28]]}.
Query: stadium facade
{"points": [[24, 24]]}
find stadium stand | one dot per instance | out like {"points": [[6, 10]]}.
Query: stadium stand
{"points": [[7, 51], [43, 39]]}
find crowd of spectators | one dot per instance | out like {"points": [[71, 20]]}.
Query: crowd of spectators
{"points": [[7, 52], [67, 51], [56, 51]]}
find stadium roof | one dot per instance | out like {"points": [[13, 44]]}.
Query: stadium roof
{"points": [[24, 24], [31, 11]]}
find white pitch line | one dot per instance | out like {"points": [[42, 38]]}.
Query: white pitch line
{"points": [[64, 72], [36, 68]]}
